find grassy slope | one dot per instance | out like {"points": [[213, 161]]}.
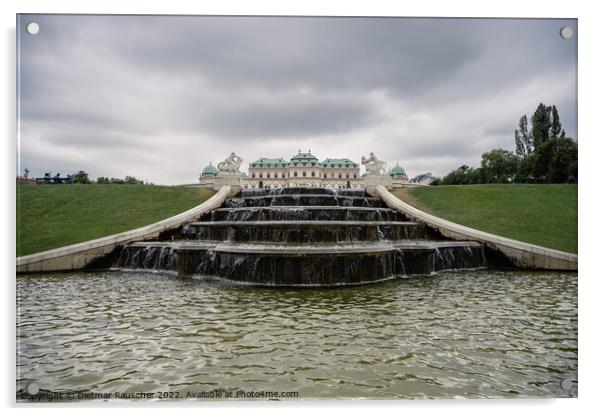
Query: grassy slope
{"points": [[545, 215], [51, 216]]}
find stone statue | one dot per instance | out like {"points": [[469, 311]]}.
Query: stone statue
{"points": [[230, 166], [374, 166]]}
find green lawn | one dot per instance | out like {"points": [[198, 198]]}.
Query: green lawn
{"points": [[545, 215], [51, 216]]}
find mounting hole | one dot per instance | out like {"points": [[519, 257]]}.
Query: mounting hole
{"points": [[566, 384], [32, 28], [32, 389], [566, 32]]}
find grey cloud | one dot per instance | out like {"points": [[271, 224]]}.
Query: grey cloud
{"points": [[276, 119], [170, 94], [89, 139], [404, 54]]}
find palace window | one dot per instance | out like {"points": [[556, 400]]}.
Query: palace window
{"points": [[261, 175], [252, 175], [313, 174], [267, 175], [340, 176], [304, 174], [347, 176], [295, 174]]}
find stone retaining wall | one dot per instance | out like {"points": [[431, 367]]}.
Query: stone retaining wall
{"points": [[520, 254], [78, 256]]}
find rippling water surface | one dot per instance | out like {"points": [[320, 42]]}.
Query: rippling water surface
{"points": [[469, 334]]}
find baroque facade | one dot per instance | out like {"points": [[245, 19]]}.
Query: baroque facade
{"points": [[304, 170]]}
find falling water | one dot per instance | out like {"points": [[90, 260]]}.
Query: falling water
{"points": [[303, 237], [147, 257]]}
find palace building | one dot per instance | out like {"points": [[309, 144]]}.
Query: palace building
{"points": [[303, 169]]}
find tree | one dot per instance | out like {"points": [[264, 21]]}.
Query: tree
{"points": [[563, 166], [543, 153], [523, 138], [132, 180], [541, 125], [543, 160], [525, 168], [464, 175], [103, 180], [81, 177], [556, 128], [520, 144], [499, 166], [557, 160]]}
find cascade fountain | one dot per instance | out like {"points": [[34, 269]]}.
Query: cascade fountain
{"points": [[303, 237]]}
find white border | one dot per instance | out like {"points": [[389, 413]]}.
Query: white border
{"points": [[589, 207]]}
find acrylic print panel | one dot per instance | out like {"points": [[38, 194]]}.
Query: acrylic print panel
{"points": [[234, 208]]}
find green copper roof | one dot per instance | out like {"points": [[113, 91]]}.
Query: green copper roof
{"points": [[209, 170], [304, 157], [397, 171], [264, 162], [336, 162]]}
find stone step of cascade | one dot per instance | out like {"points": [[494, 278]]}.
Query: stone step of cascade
{"points": [[303, 265], [304, 231], [306, 213], [303, 237], [304, 200], [302, 191]]}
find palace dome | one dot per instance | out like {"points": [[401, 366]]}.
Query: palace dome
{"points": [[209, 171], [397, 171], [304, 159]]}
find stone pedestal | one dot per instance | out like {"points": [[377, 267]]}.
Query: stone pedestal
{"points": [[232, 180], [372, 181]]}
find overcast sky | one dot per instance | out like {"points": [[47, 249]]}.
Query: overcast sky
{"points": [[159, 97]]}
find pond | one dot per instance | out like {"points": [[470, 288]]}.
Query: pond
{"points": [[482, 333]]}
